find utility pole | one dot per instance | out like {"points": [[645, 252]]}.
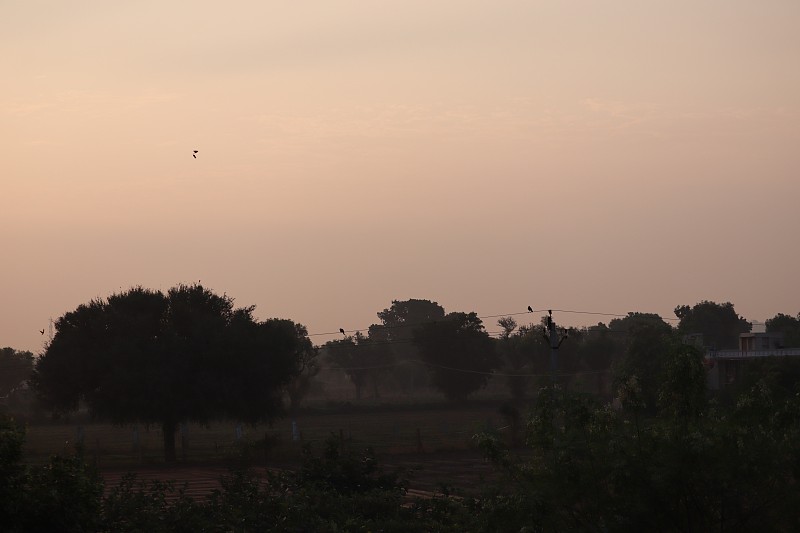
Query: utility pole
{"points": [[553, 338], [555, 342]]}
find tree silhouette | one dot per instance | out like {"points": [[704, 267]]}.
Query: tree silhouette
{"points": [[459, 353], [144, 357], [789, 326], [362, 359], [524, 352], [395, 334], [648, 341], [307, 357], [719, 323], [15, 368]]}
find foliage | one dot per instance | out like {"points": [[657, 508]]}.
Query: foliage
{"points": [[15, 368], [691, 467], [460, 354], [597, 351], [649, 341], [62, 495], [682, 395], [406, 315], [524, 353], [781, 375], [396, 334], [362, 359], [307, 356], [135, 505], [12, 474], [789, 326], [340, 490], [145, 357], [719, 323], [667, 459]]}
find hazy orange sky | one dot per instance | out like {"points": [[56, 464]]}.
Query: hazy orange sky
{"points": [[605, 156]]}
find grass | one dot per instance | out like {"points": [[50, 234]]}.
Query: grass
{"points": [[389, 428]]}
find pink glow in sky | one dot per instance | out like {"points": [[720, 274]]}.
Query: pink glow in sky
{"points": [[489, 155]]}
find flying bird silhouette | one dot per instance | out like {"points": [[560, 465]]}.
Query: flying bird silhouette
{"points": [[41, 331], [530, 309], [194, 154]]}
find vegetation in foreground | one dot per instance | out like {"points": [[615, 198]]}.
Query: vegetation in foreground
{"points": [[685, 464]]}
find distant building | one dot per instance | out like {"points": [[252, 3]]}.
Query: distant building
{"points": [[754, 342], [724, 366]]}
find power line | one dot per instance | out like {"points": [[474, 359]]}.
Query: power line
{"points": [[571, 311], [366, 343], [411, 324]]}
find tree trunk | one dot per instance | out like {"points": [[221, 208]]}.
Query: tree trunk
{"points": [[168, 429]]}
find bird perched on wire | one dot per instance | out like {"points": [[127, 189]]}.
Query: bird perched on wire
{"points": [[341, 330], [530, 309], [194, 154]]}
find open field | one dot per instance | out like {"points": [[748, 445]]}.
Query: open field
{"points": [[433, 442], [394, 423], [391, 430]]}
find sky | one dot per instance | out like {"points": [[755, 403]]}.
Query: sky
{"points": [[591, 156]]}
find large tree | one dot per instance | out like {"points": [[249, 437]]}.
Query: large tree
{"points": [[15, 369], [307, 357], [719, 323], [597, 351], [142, 356], [362, 358], [789, 326], [525, 353], [395, 334], [647, 341], [460, 354]]}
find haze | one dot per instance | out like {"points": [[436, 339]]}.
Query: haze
{"points": [[594, 156]]}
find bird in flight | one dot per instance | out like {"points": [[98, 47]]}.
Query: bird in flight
{"points": [[41, 331], [530, 309], [194, 154]]}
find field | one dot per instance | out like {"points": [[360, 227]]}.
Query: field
{"points": [[432, 440]]}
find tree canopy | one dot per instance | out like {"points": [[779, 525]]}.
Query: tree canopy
{"points": [[524, 352], [15, 368], [649, 341], [719, 323], [361, 359], [789, 326], [307, 357], [395, 335], [460, 354], [142, 356], [404, 315]]}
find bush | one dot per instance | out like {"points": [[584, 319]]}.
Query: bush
{"points": [[12, 474]]}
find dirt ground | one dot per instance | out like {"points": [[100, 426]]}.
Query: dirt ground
{"points": [[427, 473]]}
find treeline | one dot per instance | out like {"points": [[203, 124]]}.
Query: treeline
{"points": [[190, 355], [416, 344]]}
